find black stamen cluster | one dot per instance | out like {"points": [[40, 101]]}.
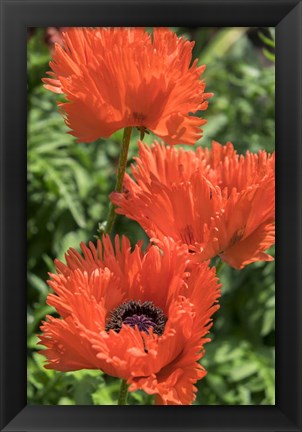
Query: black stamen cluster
{"points": [[134, 313]]}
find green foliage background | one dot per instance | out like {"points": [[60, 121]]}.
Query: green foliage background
{"points": [[68, 187]]}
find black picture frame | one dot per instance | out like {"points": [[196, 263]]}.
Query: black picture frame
{"points": [[16, 16]]}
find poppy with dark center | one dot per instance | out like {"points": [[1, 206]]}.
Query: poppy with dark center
{"points": [[216, 202], [142, 317], [114, 78]]}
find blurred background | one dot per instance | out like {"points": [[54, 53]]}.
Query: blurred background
{"points": [[68, 186]]}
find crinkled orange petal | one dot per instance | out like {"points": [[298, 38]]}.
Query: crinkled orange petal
{"points": [[251, 248], [207, 200], [65, 349], [119, 77]]}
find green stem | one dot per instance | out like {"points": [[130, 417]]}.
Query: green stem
{"points": [[120, 178], [122, 398]]}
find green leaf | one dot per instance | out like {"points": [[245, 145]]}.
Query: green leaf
{"points": [[221, 43], [239, 372], [267, 40], [38, 284], [73, 205], [66, 401], [106, 394], [71, 239], [268, 323], [218, 384], [269, 55]]}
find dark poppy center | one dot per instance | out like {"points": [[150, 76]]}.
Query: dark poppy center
{"points": [[135, 313]]}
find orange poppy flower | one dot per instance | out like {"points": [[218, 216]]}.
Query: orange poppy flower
{"points": [[119, 77], [140, 317], [216, 202]]}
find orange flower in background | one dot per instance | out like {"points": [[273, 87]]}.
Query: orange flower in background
{"points": [[216, 202], [120, 77], [140, 317]]}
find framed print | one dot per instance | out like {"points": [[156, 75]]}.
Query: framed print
{"points": [[139, 156]]}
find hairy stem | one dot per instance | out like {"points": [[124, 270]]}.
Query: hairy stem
{"points": [[120, 178], [122, 399]]}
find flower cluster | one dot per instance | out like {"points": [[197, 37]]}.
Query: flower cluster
{"points": [[144, 316]]}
